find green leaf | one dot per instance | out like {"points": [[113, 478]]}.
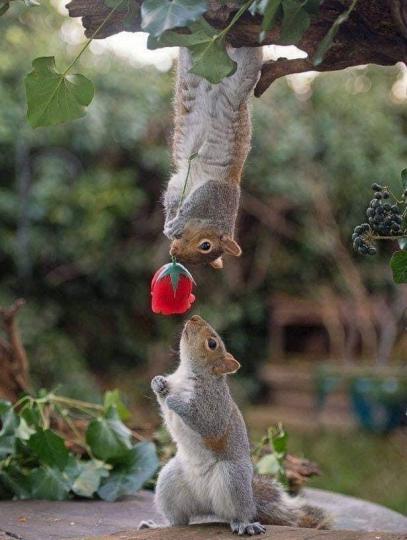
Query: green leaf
{"points": [[279, 441], [53, 97], [211, 61], [4, 7], [327, 41], [108, 438], [295, 21], [398, 265], [24, 431], [268, 464], [49, 483], [14, 480], [49, 448], [112, 397], [312, 6], [161, 15], [209, 57], [269, 9], [89, 478], [404, 178], [140, 464]]}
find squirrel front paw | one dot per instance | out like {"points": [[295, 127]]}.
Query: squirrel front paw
{"points": [[159, 385], [173, 228], [241, 528]]}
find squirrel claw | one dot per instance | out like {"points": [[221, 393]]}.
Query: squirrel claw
{"points": [[241, 528], [147, 524], [159, 385]]}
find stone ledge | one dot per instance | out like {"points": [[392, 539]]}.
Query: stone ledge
{"points": [[80, 519], [222, 532]]}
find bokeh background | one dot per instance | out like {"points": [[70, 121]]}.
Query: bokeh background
{"points": [[319, 330]]}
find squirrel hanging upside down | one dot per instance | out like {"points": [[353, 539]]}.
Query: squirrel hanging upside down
{"points": [[212, 472], [212, 123]]}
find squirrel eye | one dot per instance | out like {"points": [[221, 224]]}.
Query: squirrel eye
{"points": [[205, 246], [212, 344]]}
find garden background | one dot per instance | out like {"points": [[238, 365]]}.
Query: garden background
{"points": [[80, 237]]}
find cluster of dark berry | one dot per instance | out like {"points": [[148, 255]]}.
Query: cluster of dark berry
{"points": [[362, 240], [384, 219]]}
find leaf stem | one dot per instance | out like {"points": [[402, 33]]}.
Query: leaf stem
{"points": [[191, 157], [92, 37], [236, 17]]}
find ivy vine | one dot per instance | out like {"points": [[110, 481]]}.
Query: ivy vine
{"points": [[54, 97]]}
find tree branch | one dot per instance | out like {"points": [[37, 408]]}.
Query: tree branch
{"points": [[374, 33]]}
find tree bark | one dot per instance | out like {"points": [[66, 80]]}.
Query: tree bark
{"points": [[374, 33]]}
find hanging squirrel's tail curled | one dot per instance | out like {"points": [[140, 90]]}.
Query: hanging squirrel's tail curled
{"points": [[275, 507]]}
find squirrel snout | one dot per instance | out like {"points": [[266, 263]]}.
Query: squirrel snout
{"points": [[196, 319]]}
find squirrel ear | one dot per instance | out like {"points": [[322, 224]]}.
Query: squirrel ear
{"points": [[230, 246], [229, 365], [217, 263]]}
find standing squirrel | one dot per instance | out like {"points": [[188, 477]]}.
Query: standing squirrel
{"points": [[211, 141], [212, 472]]}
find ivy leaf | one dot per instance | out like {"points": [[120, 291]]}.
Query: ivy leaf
{"points": [[49, 483], [14, 481], [128, 477], [4, 7], [49, 448], [273, 8], [327, 41], [161, 15], [404, 178], [398, 265], [112, 398], [209, 57], [108, 438], [53, 97], [279, 442], [89, 478], [295, 21]]}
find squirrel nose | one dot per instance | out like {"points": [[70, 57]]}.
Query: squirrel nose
{"points": [[196, 319], [173, 250]]}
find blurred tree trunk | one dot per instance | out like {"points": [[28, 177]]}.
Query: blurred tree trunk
{"points": [[14, 372], [375, 32]]}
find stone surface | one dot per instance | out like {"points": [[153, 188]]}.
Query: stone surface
{"points": [[79, 520], [214, 531]]}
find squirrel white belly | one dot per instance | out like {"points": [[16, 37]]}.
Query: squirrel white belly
{"points": [[212, 472], [212, 123]]}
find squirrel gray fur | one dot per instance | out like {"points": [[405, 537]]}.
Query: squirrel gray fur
{"points": [[212, 472], [212, 123]]}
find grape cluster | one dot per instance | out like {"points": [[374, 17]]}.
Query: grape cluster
{"points": [[384, 219]]}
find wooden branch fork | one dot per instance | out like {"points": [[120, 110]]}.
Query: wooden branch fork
{"points": [[374, 33], [14, 371]]}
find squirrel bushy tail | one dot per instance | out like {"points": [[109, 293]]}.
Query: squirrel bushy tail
{"points": [[275, 507]]}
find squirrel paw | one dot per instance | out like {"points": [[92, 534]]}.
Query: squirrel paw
{"points": [[147, 524], [173, 228], [159, 385], [241, 528]]}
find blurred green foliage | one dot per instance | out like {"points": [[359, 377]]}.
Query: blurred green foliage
{"points": [[80, 218]]}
